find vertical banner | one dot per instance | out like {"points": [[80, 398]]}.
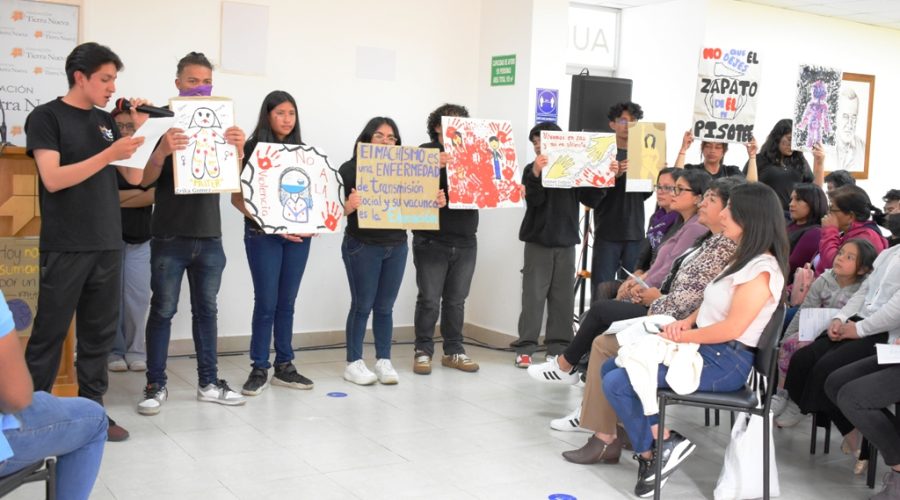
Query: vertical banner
{"points": [[483, 171], [398, 186], [815, 110], [208, 164], [725, 102], [646, 155], [20, 273], [292, 189], [35, 39], [578, 159]]}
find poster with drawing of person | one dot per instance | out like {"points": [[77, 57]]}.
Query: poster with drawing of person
{"points": [[854, 126], [815, 110], [208, 164], [292, 189], [646, 155], [483, 171]]}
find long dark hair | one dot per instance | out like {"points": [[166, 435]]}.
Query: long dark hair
{"points": [[263, 131], [813, 196], [770, 149], [371, 127], [853, 200], [757, 209]]}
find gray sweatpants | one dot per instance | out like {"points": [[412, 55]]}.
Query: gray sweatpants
{"points": [[548, 277]]}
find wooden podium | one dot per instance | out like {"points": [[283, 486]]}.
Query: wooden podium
{"points": [[20, 218]]}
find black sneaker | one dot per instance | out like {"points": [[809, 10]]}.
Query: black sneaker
{"points": [[286, 375], [646, 473], [256, 382], [674, 451]]}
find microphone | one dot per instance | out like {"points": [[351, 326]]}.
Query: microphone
{"points": [[123, 104]]}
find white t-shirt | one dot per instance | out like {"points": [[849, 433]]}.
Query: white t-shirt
{"points": [[718, 296]]}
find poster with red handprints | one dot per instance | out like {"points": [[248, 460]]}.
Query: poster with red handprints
{"points": [[208, 164], [482, 171], [578, 159], [292, 189]]}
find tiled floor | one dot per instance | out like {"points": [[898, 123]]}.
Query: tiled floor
{"points": [[450, 435]]}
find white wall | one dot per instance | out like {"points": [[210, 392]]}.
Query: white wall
{"points": [[312, 50]]}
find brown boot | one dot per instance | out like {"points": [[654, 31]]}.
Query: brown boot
{"points": [[595, 451]]}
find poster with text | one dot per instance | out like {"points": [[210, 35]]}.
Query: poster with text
{"points": [[36, 38], [398, 186], [815, 110], [578, 159], [20, 276], [208, 164], [725, 101], [482, 171], [292, 189], [646, 155]]}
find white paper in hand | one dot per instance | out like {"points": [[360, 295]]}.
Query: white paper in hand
{"points": [[151, 131], [814, 320], [888, 354]]}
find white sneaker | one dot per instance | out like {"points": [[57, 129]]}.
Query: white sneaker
{"points": [[385, 372], [569, 423], [791, 415], [358, 373], [154, 396], [551, 372], [220, 393], [779, 402], [117, 365]]}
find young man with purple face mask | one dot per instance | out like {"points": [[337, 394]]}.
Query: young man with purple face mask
{"points": [[186, 238]]}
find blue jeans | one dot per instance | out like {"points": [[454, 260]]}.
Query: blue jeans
{"points": [[375, 274], [72, 429], [203, 259], [129, 342], [725, 369], [609, 255], [276, 266], [444, 276]]}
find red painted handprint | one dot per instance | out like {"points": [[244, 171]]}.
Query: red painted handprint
{"points": [[331, 215], [264, 161]]}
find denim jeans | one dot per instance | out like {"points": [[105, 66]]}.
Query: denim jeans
{"points": [[72, 429], [725, 369], [203, 259], [276, 266], [444, 275], [375, 273], [129, 342], [609, 255]]}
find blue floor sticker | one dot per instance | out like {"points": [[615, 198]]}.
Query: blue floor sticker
{"points": [[341, 395]]}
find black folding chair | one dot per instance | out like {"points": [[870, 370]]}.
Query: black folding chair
{"points": [[743, 400], [45, 470]]}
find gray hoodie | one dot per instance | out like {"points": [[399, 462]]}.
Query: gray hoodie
{"points": [[824, 292]]}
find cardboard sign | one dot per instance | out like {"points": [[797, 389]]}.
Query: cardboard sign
{"points": [[578, 159], [292, 189], [646, 155], [727, 89], [209, 164], [20, 274], [483, 171], [398, 186], [815, 110]]}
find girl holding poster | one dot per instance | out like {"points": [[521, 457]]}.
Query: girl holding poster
{"points": [[277, 262]]}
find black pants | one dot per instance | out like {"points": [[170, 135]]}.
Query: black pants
{"points": [[596, 321], [86, 284], [811, 365], [863, 391]]}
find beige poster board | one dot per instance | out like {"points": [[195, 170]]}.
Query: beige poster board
{"points": [[398, 186], [646, 155], [20, 273], [208, 164]]}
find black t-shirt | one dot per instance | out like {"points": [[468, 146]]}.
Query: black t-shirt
{"points": [[135, 220], [381, 237], [618, 214], [457, 226], [186, 215], [724, 170], [551, 215], [782, 176], [84, 217]]}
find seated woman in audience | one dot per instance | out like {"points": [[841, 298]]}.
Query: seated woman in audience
{"points": [[780, 167], [682, 295], [713, 154], [830, 290], [727, 335], [663, 223], [807, 207], [689, 188], [864, 393], [850, 216]]}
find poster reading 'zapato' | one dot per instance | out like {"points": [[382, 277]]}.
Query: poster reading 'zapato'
{"points": [[727, 90]]}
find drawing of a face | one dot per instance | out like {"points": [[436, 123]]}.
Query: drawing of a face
{"points": [[457, 139], [294, 195], [819, 90], [849, 111], [204, 118], [494, 143]]}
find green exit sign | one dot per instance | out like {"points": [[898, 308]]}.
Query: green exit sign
{"points": [[503, 70]]}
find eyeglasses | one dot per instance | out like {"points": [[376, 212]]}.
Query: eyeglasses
{"points": [[382, 137], [125, 126], [623, 121], [664, 189], [678, 190]]}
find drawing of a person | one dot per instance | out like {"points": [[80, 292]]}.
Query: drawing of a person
{"points": [[649, 158], [815, 116], [851, 147], [494, 143], [294, 194], [205, 134]]}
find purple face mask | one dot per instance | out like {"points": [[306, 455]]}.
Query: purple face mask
{"points": [[198, 91]]}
